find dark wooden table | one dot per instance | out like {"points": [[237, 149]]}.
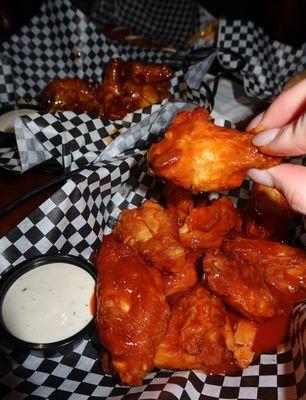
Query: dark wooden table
{"points": [[12, 186]]}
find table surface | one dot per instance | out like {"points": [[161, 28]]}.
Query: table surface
{"points": [[12, 186]]}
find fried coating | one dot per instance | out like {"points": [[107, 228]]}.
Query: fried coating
{"points": [[239, 285], [186, 278], [206, 227], [267, 214], [71, 94], [132, 312], [153, 232], [244, 338], [110, 94], [148, 73], [203, 157], [126, 87], [200, 336], [281, 266], [178, 200]]}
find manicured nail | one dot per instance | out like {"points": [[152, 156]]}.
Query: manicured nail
{"points": [[255, 121], [265, 137], [260, 176]]}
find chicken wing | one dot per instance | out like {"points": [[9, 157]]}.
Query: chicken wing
{"points": [[126, 87], [200, 336], [281, 266], [201, 156], [207, 226], [148, 73], [267, 214], [71, 94], [153, 232], [129, 86], [239, 285], [110, 93], [243, 345], [132, 313], [179, 200]]}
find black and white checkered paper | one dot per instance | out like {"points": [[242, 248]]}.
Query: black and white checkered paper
{"points": [[61, 41], [265, 64], [73, 221], [168, 22], [76, 140]]}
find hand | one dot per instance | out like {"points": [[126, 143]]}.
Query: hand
{"points": [[283, 133]]}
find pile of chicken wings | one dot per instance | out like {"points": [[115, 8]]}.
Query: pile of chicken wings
{"points": [[127, 86], [185, 285]]}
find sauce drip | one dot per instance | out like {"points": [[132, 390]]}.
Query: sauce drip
{"points": [[274, 331]]}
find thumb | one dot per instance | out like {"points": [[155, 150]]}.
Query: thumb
{"points": [[287, 141], [289, 179], [284, 109]]}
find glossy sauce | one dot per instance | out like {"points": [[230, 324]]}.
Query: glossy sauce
{"points": [[274, 331], [49, 303]]}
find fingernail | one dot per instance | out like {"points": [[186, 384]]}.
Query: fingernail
{"points": [[265, 137], [255, 121], [260, 176]]}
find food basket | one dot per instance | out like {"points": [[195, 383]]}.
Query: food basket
{"points": [[111, 175]]}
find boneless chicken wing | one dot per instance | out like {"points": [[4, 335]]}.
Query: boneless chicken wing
{"points": [[200, 336], [281, 266], [237, 283], [201, 156], [132, 313]]}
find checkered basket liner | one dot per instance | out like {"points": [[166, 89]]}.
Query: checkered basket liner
{"points": [[73, 221], [265, 64], [60, 41], [76, 140], [169, 22]]}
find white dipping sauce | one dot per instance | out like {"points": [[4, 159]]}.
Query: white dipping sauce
{"points": [[7, 120], [49, 303]]}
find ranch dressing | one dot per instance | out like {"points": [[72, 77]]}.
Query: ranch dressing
{"points": [[49, 303], [7, 120]]}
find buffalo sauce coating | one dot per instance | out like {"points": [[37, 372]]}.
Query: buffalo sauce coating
{"points": [[273, 331], [138, 354], [132, 312], [203, 157]]}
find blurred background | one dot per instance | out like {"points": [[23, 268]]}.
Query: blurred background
{"points": [[283, 20]]}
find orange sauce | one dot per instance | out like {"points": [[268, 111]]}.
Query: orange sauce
{"points": [[92, 304], [270, 333], [274, 331]]}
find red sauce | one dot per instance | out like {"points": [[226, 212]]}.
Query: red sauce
{"points": [[274, 331]]}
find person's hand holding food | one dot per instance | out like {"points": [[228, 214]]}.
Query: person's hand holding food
{"points": [[283, 133]]}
